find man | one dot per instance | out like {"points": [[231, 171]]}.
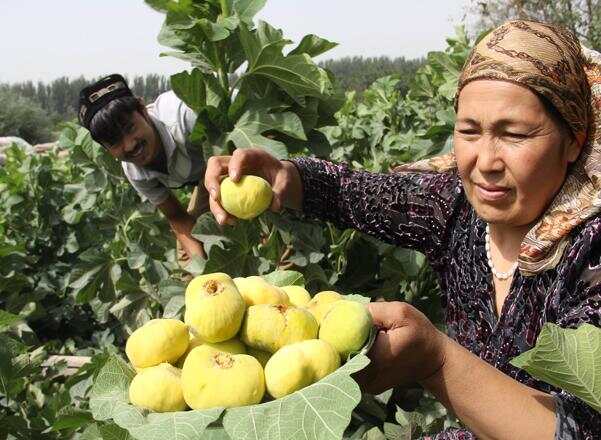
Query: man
{"points": [[152, 144]]}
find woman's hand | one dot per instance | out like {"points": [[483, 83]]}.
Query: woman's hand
{"points": [[283, 177], [408, 348]]}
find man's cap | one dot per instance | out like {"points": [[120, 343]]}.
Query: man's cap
{"points": [[93, 97]]}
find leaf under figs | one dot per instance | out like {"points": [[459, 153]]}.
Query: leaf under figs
{"points": [[320, 411]]}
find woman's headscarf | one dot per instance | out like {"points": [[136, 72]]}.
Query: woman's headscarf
{"points": [[550, 61]]}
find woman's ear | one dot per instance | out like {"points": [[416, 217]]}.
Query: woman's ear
{"points": [[573, 148]]}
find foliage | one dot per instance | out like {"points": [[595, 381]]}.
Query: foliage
{"points": [[278, 101], [358, 73], [22, 117], [582, 17], [83, 262], [384, 128], [568, 359]]}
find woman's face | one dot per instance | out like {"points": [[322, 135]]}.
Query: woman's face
{"points": [[511, 155]]}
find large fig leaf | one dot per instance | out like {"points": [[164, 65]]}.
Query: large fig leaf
{"points": [[109, 400], [320, 411], [248, 131], [569, 359]]}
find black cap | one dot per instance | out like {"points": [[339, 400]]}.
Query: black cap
{"points": [[93, 97]]}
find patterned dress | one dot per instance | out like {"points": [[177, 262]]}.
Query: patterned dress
{"points": [[429, 212]]}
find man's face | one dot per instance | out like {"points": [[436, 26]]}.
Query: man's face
{"points": [[140, 144]]}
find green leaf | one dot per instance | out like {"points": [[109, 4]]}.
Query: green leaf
{"points": [[190, 88], [182, 425], [320, 411], [297, 75], [214, 31], [285, 278], [110, 431], [569, 359], [7, 320], [313, 46], [92, 276], [109, 400], [247, 9], [110, 387], [248, 131]]}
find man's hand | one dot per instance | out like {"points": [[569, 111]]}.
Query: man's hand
{"points": [[191, 247], [408, 348]]}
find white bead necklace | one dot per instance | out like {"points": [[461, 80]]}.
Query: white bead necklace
{"points": [[499, 275]]}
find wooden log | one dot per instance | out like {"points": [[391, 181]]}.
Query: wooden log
{"points": [[74, 363]]}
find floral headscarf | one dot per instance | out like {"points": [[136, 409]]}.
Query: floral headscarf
{"points": [[550, 61]]}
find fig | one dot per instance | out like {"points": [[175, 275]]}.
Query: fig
{"points": [[158, 389], [322, 356], [156, 342], [322, 302], [298, 365], [232, 346], [297, 295], [269, 327], [346, 326], [255, 290], [213, 379], [247, 198], [214, 307]]}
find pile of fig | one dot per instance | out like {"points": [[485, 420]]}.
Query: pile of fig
{"points": [[243, 341]]}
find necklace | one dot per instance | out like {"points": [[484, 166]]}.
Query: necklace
{"points": [[499, 275]]}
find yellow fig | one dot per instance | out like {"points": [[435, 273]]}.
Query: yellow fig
{"points": [[214, 307], [255, 290], [232, 346], [287, 371], [322, 356], [247, 198], [158, 389], [269, 327], [298, 365], [213, 379], [322, 302], [346, 326], [157, 341], [298, 296], [260, 355]]}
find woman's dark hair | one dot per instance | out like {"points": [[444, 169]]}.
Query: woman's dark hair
{"points": [[556, 115], [111, 123]]}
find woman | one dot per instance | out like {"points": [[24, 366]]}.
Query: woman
{"points": [[509, 223]]}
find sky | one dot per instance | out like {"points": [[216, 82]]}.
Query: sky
{"points": [[44, 40]]}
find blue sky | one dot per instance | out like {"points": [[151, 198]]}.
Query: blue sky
{"points": [[42, 40]]}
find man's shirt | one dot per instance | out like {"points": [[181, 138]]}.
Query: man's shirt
{"points": [[185, 164]]}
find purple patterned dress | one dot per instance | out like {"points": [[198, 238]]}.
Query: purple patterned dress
{"points": [[429, 212]]}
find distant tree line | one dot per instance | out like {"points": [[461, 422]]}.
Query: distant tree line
{"points": [[59, 97], [33, 110], [357, 73]]}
